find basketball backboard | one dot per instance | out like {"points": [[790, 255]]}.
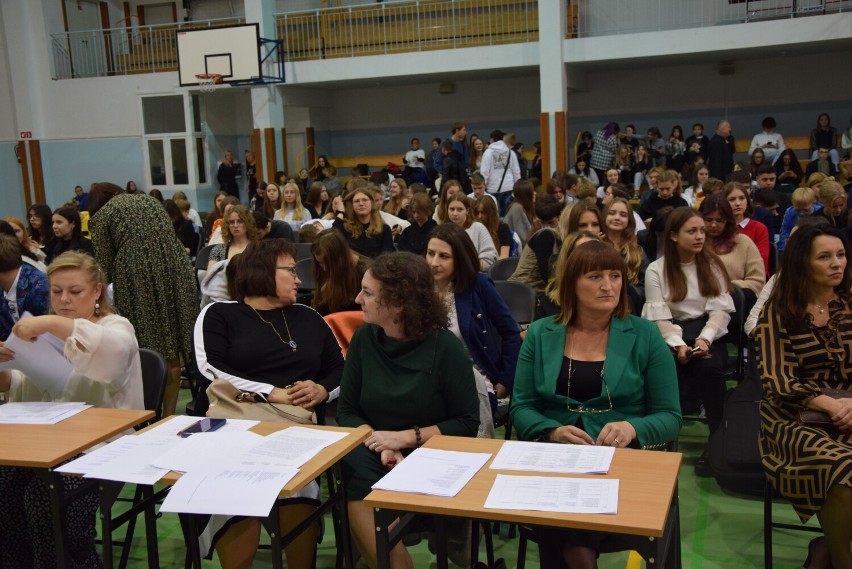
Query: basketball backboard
{"points": [[230, 51]]}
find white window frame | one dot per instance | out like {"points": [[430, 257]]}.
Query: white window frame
{"points": [[188, 136]]}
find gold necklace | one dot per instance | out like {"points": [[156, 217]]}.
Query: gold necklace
{"points": [[291, 343]]}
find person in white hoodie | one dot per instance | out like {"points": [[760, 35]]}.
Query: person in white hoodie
{"points": [[500, 168]]}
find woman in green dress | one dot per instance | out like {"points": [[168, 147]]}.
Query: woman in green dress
{"points": [[406, 377], [152, 277]]}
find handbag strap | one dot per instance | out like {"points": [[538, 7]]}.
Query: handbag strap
{"points": [[506, 169]]}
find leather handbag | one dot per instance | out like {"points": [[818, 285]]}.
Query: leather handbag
{"points": [[812, 418], [228, 402]]}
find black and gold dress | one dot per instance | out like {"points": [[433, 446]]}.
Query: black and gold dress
{"points": [[803, 463]]}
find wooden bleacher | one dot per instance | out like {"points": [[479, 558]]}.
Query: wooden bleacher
{"points": [[799, 144]]}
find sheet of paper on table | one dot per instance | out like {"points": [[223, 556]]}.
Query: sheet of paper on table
{"points": [[230, 491], [33, 413], [434, 472], [291, 447], [40, 361], [554, 494], [549, 457], [204, 451], [129, 459]]}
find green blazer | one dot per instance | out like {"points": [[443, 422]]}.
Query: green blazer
{"points": [[640, 372]]}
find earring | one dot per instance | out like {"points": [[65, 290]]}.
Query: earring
{"points": [[97, 309], [396, 320]]}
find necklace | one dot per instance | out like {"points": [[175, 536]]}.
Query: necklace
{"points": [[582, 408], [291, 343]]}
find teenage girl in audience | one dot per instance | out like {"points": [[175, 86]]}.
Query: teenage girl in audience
{"points": [[398, 201], [641, 167], [675, 149], [130, 187], [757, 159], [742, 209], [154, 283], [215, 214], [477, 149], [337, 272], [237, 233], [738, 253], [252, 344], [805, 346], [652, 240], [556, 189], [407, 378], [291, 209], [789, 171], [460, 214], [317, 201], [415, 237], [695, 192], [571, 242], [24, 238], [593, 375], [686, 294], [68, 235], [624, 163], [825, 136], [521, 213], [502, 236], [101, 347], [363, 227], [620, 232], [448, 188], [183, 227], [584, 148], [227, 204], [833, 198], [584, 217], [612, 177], [478, 316], [583, 170], [40, 219]]}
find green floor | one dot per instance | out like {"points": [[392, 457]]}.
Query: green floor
{"points": [[719, 530]]}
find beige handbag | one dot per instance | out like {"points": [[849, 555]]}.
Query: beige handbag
{"points": [[228, 402]]}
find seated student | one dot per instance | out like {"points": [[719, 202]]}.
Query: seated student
{"points": [[271, 228], [460, 212], [407, 378], [184, 230], [619, 190], [363, 227], [652, 240], [541, 249], [478, 316], [667, 194], [317, 200], [697, 144], [477, 184], [642, 164], [292, 211], [227, 205], [768, 141], [804, 203], [737, 196], [789, 171], [251, 344], [396, 223], [556, 188], [505, 240], [624, 164], [822, 164], [620, 232], [25, 288], [738, 253], [521, 213], [448, 188], [582, 169], [652, 177], [30, 251], [68, 235], [611, 178], [238, 230], [766, 206], [765, 179], [686, 294], [586, 192], [398, 200], [593, 375], [695, 192], [582, 217], [833, 199], [102, 349], [337, 272], [415, 237]]}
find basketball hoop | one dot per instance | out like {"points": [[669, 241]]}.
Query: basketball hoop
{"points": [[207, 81]]}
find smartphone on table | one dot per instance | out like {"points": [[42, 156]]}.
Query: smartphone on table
{"points": [[207, 425]]}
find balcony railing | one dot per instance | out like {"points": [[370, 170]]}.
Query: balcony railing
{"points": [[588, 18], [121, 51], [398, 27]]}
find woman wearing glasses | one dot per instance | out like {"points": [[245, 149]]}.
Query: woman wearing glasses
{"points": [[593, 375], [238, 230], [266, 343]]}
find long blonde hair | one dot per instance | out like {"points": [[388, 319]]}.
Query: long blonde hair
{"points": [[77, 261], [629, 248], [298, 210]]}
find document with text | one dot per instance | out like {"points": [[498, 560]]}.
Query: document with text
{"points": [[549, 457], [33, 413], [40, 361], [554, 494], [434, 472], [126, 460], [293, 446]]}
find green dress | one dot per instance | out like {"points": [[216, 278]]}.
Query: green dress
{"points": [[393, 386], [153, 281]]}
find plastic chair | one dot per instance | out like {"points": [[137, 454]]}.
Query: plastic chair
{"points": [[305, 268], [503, 268], [303, 251], [343, 325], [519, 297], [154, 376], [773, 259]]}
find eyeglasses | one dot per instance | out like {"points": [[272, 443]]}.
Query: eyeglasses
{"points": [[291, 270], [236, 222], [582, 408], [714, 221]]}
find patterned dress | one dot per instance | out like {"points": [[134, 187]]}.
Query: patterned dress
{"points": [[803, 463], [153, 281]]}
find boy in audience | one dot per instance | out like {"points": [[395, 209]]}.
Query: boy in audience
{"points": [[652, 183], [25, 288], [822, 164], [766, 206], [477, 184], [667, 194], [804, 203]]}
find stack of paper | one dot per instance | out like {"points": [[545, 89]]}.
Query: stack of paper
{"points": [[554, 494], [543, 457], [31, 413], [434, 472]]}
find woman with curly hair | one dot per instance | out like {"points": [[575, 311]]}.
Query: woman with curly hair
{"points": [[620, 232], [406, 377], [239, 230], [362, 225], [338, 271]]}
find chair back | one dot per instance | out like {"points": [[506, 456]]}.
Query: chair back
{"points": [[303, 251], [773, 259], [344, 324], [305, 268], [503, 268], [203, 258], [520, 298], [154, 373], [636, 298]]}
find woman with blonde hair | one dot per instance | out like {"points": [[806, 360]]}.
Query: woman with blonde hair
{"points": [[292, 210], [362, 225], [833, 198], [620, 232], [398, 203], [337, 272]]}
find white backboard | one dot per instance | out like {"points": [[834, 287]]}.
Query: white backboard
{"points": [[231, 51]]}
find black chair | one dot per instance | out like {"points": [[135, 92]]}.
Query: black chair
{"points": [[769, 525], [303, 251], [520, 298], [203, 258], [503, 268], [636, 297], [773, 259], [154, 375], [737, 336]]}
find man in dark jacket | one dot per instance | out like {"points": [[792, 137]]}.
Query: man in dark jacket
{"points": [[453, 167], [720, 152]]}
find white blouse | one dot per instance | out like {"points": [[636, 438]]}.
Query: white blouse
{"points": [[107, 370], [658, 309]]}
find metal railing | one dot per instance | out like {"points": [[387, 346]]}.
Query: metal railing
{"points": [[588, 18], [399, 27], [121, 51]]}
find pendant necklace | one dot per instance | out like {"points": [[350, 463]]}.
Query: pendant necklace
{"points": [[291, 343]]}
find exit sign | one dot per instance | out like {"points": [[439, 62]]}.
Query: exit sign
{"points": [[26, 134]]}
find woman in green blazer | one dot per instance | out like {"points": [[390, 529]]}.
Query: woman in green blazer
{"points": [[593, 374]]}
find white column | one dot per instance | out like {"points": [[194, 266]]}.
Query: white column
{"points": [[552, 18]]}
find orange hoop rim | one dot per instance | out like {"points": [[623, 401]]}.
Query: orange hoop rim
{"points": [[215, 77]]}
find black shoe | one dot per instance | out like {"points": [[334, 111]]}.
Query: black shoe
{"points": [[702, 465]]}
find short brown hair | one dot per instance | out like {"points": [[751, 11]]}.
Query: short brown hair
{"points": [[590, 256], [10, 253], [252, 272]]}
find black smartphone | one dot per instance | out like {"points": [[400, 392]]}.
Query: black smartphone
{"points": [[207, 425]]}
